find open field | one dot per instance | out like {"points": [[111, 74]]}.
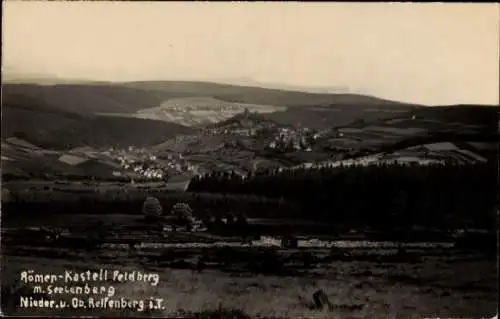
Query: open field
{"points": [[371, 282], [212, 271], [358, 290], [199, 110]]}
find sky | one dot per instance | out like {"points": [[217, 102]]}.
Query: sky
{"points": [[421, 53]]}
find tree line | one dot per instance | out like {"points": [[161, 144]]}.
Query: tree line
{"points": [[381, 196], [119, 202]]}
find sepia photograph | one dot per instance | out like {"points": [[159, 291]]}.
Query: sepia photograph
{"points": [[246, 160]]}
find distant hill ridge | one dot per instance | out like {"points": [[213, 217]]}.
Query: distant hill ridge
{"points": [[67, 115], [258, 95]]}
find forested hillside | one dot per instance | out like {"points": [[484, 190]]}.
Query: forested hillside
{"points": [[378, 196]]}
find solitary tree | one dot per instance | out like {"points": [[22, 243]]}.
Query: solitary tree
{"points": [[182, 210], [152, 209], [182, 214]]}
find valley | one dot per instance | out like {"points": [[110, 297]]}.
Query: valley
{"points": [[388, 202]]}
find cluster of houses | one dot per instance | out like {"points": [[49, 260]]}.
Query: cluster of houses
{"points": [[248, 132], [151, 166], [293, 139]]}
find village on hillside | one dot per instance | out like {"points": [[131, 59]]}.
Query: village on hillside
{"points": [[246, 142]]}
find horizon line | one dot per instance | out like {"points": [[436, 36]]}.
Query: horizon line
{"points": [[296, 88]]}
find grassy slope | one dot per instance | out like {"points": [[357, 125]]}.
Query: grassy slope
{"points": [[454, 123], [484, 118], [437, 287], [62, 116], [81, 98], [62, 130], [483, 115]]}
